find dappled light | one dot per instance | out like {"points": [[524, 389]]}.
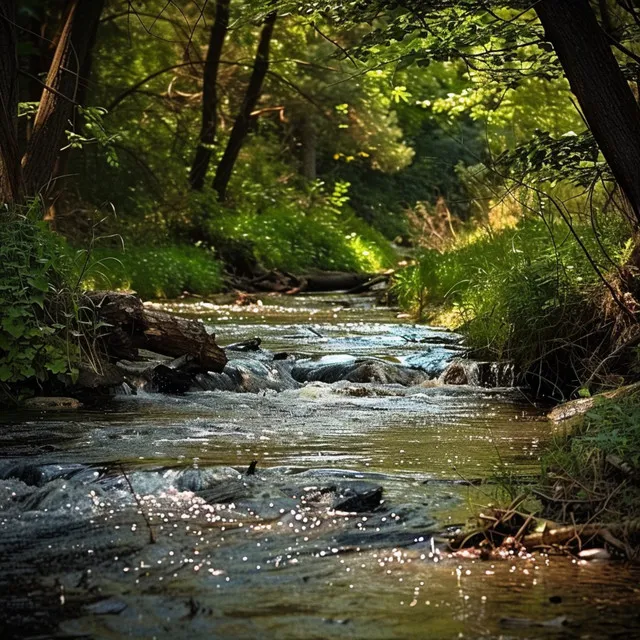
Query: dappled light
{"points": [[319, 319]]}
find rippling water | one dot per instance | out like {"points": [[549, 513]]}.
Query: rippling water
{"points": [[270, 555]]}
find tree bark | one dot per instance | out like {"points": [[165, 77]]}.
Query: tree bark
{"points": [[59, 98], [607, 102], [10, 170], [210, 96], [243, 120]]}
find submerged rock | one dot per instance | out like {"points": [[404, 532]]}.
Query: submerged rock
{"points": [[358, 370], [42, 403], [358, 498], [249, 375]]}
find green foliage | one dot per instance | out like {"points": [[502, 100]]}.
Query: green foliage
{"points": [[573, 158], [156, 272], [39, 318], [301, 234], [93, 132]]}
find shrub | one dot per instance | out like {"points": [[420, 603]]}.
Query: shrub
{"points": [[42, 324], [298, 234]]}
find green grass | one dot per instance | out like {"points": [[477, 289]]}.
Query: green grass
{"points": [[156, 272], [595, 464], [528, 294]]}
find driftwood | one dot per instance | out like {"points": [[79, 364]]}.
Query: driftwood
{"points": [[132, 327], [509, 529]]}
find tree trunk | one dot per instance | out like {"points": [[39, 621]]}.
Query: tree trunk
{"points": [[308, 149], [62, 162], [210, 96], [607, 102], [243, 121], [60, 98], [10, 171]]}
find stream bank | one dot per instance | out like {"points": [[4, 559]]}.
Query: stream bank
{"points": [[274, 554]]}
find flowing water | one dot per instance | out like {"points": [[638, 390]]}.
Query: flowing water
{"points": [[284, 553]]}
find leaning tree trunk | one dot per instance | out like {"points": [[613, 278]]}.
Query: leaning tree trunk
{"points": [[59, 97], [10, 171], [210, 96], [243, 121], [608, 104]]}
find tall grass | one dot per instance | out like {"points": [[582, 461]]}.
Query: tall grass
{"points": [[528, 293]]}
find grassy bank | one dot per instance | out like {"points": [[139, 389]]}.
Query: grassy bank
{"points": [[591, 467], [285, 236], [292, 238], [530, 293]]}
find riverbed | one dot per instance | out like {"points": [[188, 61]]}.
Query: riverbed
{"points": [[135, 517]]}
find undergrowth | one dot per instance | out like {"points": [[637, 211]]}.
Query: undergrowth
{"points": [[186, 245], [299, 241], [45, 332], [155, 272]]}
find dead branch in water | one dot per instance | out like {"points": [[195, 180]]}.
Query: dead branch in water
{"points": [[510, 529]]}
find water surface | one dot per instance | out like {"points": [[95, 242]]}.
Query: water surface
{"points": [[268, 555]]}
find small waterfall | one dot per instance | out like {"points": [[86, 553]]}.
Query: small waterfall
{"points": [[490, 374], [124, 390]]}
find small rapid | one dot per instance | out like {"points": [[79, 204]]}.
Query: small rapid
{"points": [[146, 517]]}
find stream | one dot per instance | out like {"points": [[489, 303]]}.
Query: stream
{"points": [[332, 537]]}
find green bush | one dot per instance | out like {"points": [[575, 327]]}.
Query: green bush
{"points": [[41, 329], [156, 272], [299, 232]]}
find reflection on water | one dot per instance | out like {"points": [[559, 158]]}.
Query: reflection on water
{"points": [[273, 554]]}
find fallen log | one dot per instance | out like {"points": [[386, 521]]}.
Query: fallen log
{"points": [[337, 281], [316, 282], [131, 327]]}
